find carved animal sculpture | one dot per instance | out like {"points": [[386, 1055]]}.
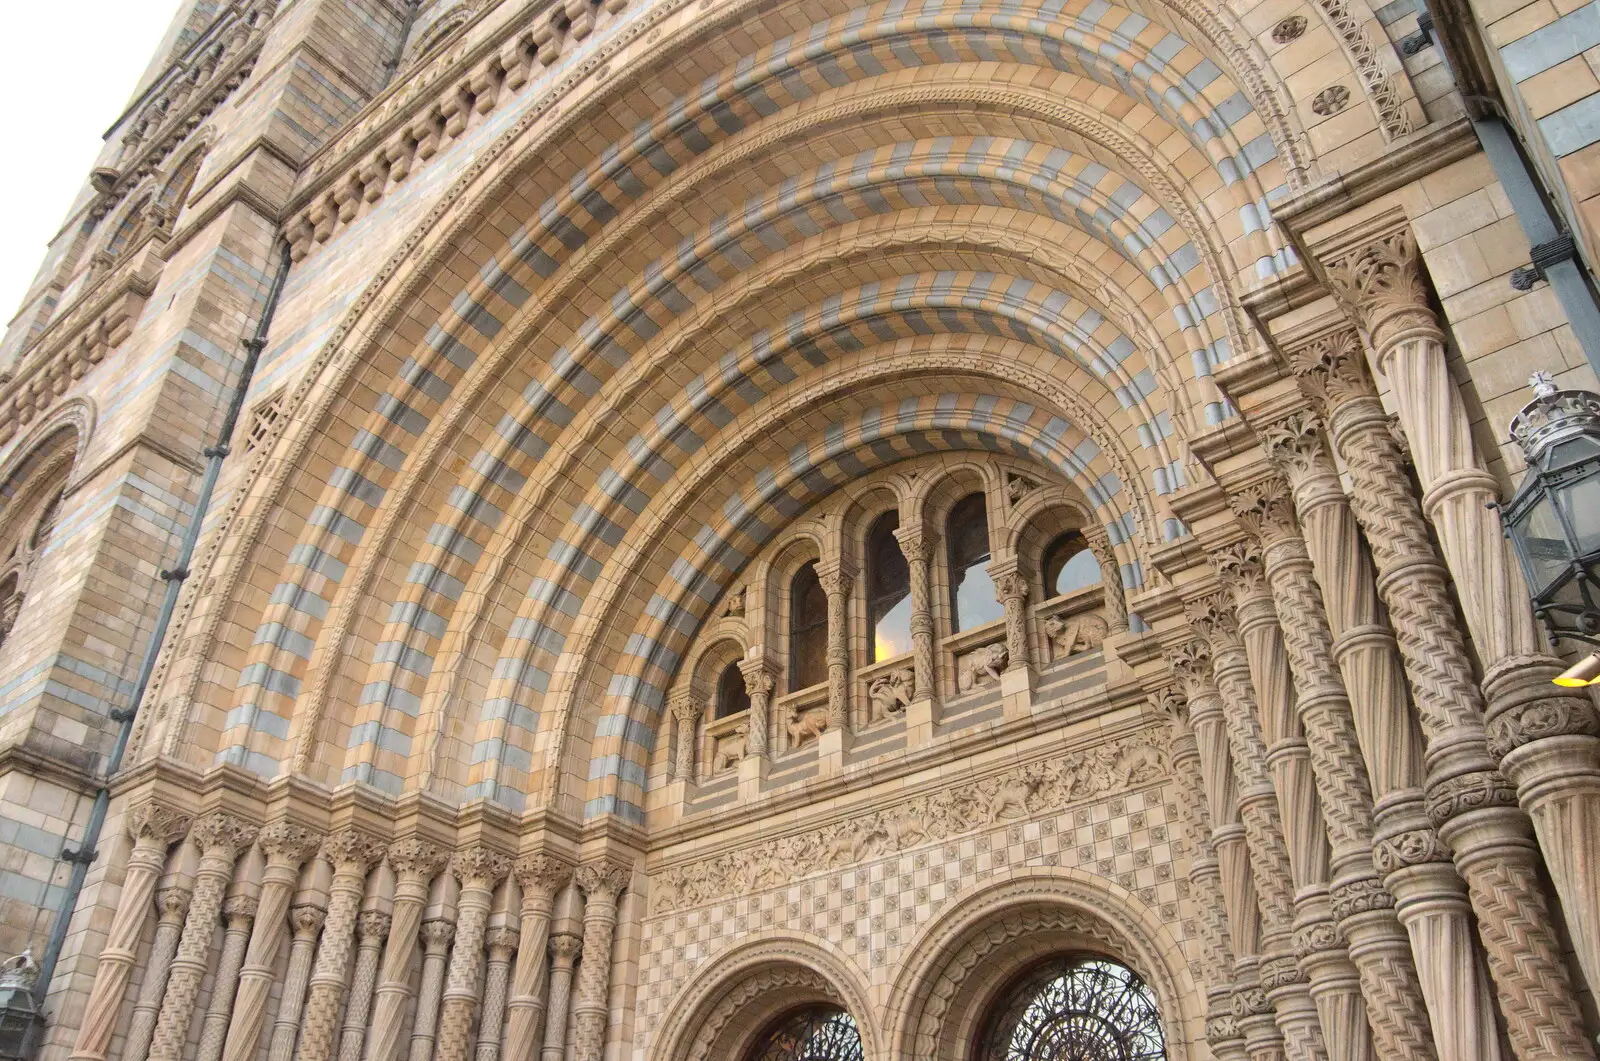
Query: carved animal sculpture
{"points": [[1082, 633], [984, 664], [730, 750], [806, 725], [890, 693]]}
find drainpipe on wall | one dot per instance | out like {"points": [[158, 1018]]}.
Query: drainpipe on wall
{"points": [[1554, 252], [393, 62], [84, 854]]}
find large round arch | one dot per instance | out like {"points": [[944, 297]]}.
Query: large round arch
{"points": [[963, 960]]}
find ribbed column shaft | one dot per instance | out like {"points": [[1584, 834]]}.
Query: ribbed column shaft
{"points": [[307, 920], [602, 883], [479, 870], [914, 545], [564, 949], [415, 863], [502, 943], [374, 926], [542, 878], [350, 853], [240, 912], [836, 582], [436, 936], [173, 904], [286, 846]]}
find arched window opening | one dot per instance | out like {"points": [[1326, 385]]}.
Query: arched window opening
{"points": [[1069, 564], [1079, 1008], [732, 696], [888, 590], [10, 606], [176, 192], [816, 1033], [128, 229], [46, 525], [972, 595], [808, 629]]}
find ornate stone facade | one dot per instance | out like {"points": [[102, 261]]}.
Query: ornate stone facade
{"points": [[714, 509]]}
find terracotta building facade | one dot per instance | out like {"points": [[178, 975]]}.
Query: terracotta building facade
{"points": [[646, 530]]}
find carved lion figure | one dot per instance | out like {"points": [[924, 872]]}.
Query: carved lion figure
{"points": [[730, 750], [981, 666], [890, 693], [806, 725], [1080, 633]]}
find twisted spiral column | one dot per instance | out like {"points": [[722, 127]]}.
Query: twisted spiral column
{"points": [[220, 838], [415, 863], [307, 921], [1190, 663], [1011, 589], [602, 882], [154, 829], [1363, 911], [374, 926], [286, 846], [917, 548], [564, 949], [1547, 739], [1205, 880], [759, 681], [479, 870], [172, 905], [1116, 603], [240, 913], [1416, 868], [351, 852], [502, 943], [436, 937], [1278, 876], [542, 878], [836, 580], [686, 709], [1530, 978]]}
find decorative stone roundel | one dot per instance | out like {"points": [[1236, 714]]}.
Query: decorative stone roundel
{"points": [[1289, 29], [1331, 100]]}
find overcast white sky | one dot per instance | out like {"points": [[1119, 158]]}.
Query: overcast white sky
{"points": [[69, 67]]}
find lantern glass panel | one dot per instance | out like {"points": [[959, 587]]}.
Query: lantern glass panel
{"points": [[1542, 542], [1580, 503]]}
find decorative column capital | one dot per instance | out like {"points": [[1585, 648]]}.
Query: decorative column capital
{"points": [[1170, 703], [479, 865], [1380, 284], [1190, 663], [1011, 586], [286, 843], [1265, 510], [437, 934], [239, 908], [915, 543], [603, 879], [503, 939], [1240, 569], [157, 823], [541, 874], [1212, 617], [564, 948], [223, 834], [373, 925], [306, 920], [686, 707], [1293, 443], [172, 904], [417, 859], [352, 849], [759, 679], [1332, 370], [836, 576]]}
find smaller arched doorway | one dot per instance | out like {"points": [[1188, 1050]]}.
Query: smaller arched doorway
{"points": [[814, 1033], [1074, 1007]]}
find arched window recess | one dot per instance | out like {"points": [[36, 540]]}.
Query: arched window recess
{"points": [[816, 1033], [1075, 1008]]}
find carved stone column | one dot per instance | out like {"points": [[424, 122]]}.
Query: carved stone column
{"points": [[1468, 802], [307, 922], [1190, 663], [373, 927], [1417, 870], [564, 948], [415, 863], [1011, 589], [1116, 603], [1546, 738], [686, 710], [479, 870], [286, 846], [836, 580], [240, 912], [436, 936], [542, 878], [154, 829], [602, 883], [1343, 1034], [1205, 880], [351, 852], [220, 838], [1364, 911], [502, 943], [759, 681], [917, 548], [172, 904]]}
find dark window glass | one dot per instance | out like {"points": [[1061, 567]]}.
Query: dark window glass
{"points": [[1076, 1009], [808, 630], [817, 1033], [1069, 565], [732, 697], [888, 590], [972, 597]]}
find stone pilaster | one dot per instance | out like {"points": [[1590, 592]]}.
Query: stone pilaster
{"points": [[436, 936], [1431, 899], [917, 548], [686, 709], [351, 852], [307, 921], [502, 944], [1116, 603], [602, 882], [154, 829], [836, 579], [479, 870], [542, 878], [1292, 890], [372, 928], [415, 863], [759, 681], [286, 846], [564, 950], [240, 913]]}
